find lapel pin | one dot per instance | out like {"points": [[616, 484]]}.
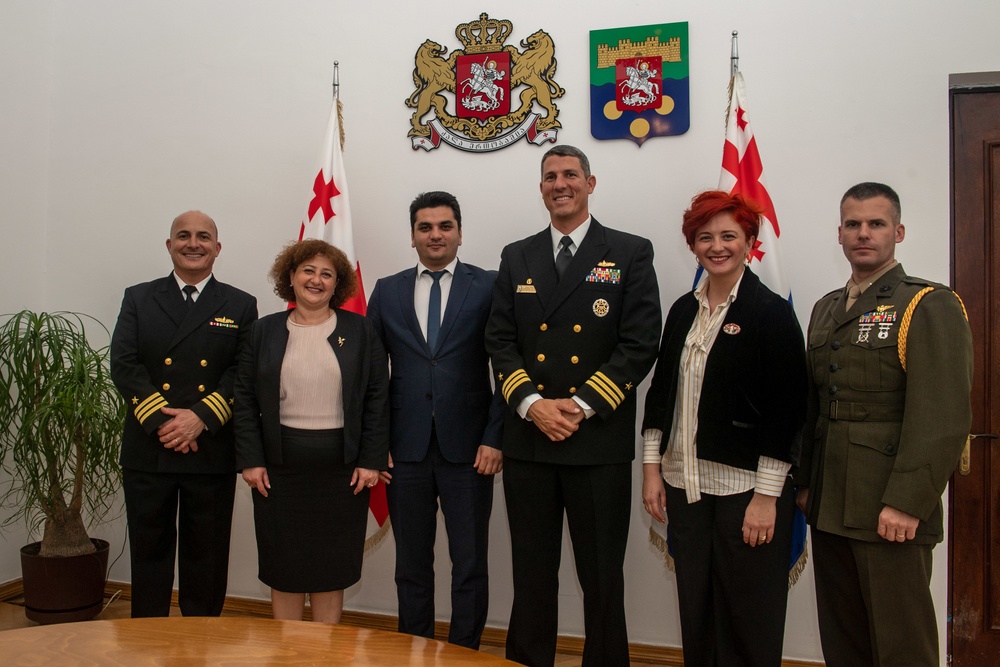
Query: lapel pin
{"points": [[731, 328]]}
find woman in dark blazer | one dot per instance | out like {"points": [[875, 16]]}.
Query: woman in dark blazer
{"points": [[721, 432], [312, 434]]}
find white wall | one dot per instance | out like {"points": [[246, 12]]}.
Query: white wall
{"points": [[118, 115], [26, 78]]}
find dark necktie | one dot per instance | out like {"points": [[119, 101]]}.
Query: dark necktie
{"points": [[189, 292], [434, 308], [564, 256]]}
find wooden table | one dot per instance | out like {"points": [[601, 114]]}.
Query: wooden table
{"points": [[229, 641]]}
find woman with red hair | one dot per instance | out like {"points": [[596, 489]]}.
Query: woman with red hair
{"points": [[721, 432]]}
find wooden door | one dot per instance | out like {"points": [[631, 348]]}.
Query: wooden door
{"points": [[974, 498]]}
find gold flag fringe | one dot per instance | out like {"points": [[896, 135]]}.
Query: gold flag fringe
{"points": [[377, 538], [659, 545], [800, 565], [340, 122], [729, 102]]}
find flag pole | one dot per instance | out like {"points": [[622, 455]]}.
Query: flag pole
{"points": [[734, 57], [336, 79]]}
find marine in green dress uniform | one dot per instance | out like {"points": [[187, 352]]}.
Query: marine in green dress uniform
{"points": [[890, 363]]}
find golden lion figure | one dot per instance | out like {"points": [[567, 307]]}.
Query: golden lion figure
{"points": [[535, 67]]}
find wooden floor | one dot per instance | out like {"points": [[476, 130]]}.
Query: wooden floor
{"points": [[12, 616]]}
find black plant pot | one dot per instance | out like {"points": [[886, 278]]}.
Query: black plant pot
{"points": [[62, 589]]}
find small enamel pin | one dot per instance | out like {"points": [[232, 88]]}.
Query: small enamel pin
{"points": [[731, 328]]}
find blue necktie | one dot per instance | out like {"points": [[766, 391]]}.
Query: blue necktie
{"points": [[434, 308]]}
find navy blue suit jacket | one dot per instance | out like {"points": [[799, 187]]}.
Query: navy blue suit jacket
{"points": [[448, 386]]}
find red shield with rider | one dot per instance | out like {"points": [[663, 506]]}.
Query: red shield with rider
{"points": [[639, 83], [482, 85]]}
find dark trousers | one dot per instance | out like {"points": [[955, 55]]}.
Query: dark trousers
{"points": [[597, 501], [184, 515], [466, 502], [874, 602], [732, 596]]}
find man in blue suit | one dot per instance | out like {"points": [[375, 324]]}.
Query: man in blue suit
{"points": [[445, 420]]}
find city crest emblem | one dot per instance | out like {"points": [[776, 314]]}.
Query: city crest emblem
{"points": [[481, 78], [639, 82]]}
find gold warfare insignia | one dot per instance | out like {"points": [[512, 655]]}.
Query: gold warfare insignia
{"points": [[482, 79], [604, 264], [223, 322], [601, 307]]}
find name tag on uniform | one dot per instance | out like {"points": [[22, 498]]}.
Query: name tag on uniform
{"points": [[526, 289]]}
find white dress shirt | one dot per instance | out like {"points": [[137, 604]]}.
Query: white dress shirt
{"points": [[422, 292], [198, 287]]}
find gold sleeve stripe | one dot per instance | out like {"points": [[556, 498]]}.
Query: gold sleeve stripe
{"points": [[149, 406], [516, 379], [607, 389], [610, 385], [219, 406], [604, 394]]}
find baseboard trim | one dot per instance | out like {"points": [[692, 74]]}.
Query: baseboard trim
{"points": [[492, 636]]}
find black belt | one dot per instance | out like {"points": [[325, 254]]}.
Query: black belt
{"points": [[857, 412]]}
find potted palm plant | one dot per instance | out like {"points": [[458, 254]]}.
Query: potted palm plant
{"points": [[61, 421]]}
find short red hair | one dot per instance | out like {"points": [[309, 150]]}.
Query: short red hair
{"points": [[710, 203]]}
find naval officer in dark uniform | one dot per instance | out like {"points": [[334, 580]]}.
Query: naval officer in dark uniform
{"points": [[573, 330], [890, 362], [173, 357]]}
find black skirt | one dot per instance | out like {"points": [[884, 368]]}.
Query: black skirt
{"points": [[311, 527]]}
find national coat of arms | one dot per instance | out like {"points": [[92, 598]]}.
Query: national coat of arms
{"points": [[639, 82], [481, 78]]}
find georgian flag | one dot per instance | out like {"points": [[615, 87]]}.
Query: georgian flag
{"points": [[743, 173], [329, 214]]}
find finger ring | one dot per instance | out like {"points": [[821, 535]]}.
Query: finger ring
{"points": [[370, 484], [761, 538]]}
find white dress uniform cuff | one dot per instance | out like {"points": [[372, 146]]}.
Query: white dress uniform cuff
{"points": [[527, 402], [588, 411]]}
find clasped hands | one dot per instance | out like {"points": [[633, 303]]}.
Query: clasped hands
{"points": [[557, 418], [180, 432]]}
